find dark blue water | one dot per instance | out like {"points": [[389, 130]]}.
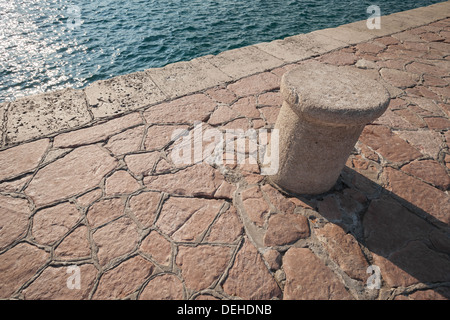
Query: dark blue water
{"points": [[52, 44]]}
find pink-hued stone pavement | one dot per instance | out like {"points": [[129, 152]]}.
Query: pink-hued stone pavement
{"points": [[108, 199]]}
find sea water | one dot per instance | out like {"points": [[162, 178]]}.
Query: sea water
{"points": [[53, 44]]}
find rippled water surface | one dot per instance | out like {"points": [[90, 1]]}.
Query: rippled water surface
{"points": [[52, 44]]}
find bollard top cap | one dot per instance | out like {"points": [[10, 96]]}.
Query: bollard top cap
{"points": [[333, 95]]}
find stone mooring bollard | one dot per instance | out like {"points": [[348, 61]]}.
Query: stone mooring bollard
{"points": [[324, 111]]}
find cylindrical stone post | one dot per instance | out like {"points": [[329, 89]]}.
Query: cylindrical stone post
{"points": [[324, 111]]}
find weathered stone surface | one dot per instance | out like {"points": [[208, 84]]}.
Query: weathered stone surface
{"points": [[88, 198], [160, 136], [430, 80], [270, 99], [54, 154], [163, 287], [144, 206], [157, 247], [286, 49], [120, 182], [205, 297], [345, 34], [421, 68], [255, 206], [14, 214], [194, 228], [316, 42], [237, 124], [393, 120], [50, 224], [104, 211], [122, 93], [388, 226], [398, 78], [344, 249], [46, 113], [126, 142], [53, 284], [15, 185], [221, 115], [124, 279], [225, 191], [257, 210], [97, 132], [221, 95], [442, 93], [249, 278], [187, 218], [390, 146], [370, 47], [427, 142], [307, 278], [189, 109], [366, 64], [198, 180], [273, 259], [437, 123], [398, 64], [75, 246], [270, 114], [420, 91], [115, 239], [180, 78], [79, 171], [278, 200], [413, 264], [259, 83], [424, 107], [431, 200], [227, 228], [203, 265], [285, 229], [339, 58], [22, 159], [430, 171], [241, 62], [18, 265], [142, 163], [246, 107]]}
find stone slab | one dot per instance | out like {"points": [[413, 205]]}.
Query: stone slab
{"points": [[98, 132], [389, 25], [300, 47], [316, 42], [79, 171], [346, 34], [242, 62], [288, 51], [22, 159], [44, 114], [181, 78], [122, 93]]}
